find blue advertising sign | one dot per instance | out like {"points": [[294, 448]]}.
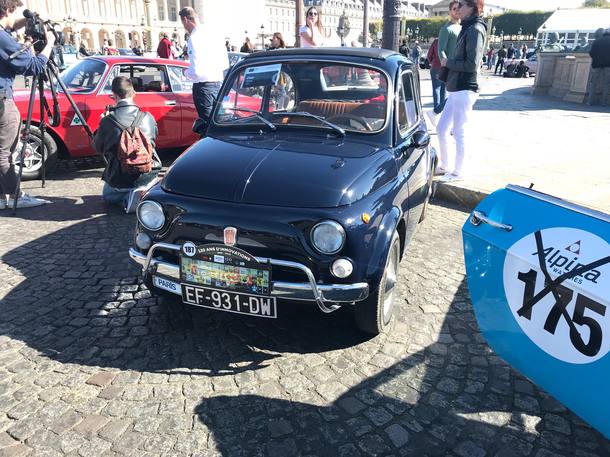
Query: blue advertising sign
{"points": [[539, 277]]}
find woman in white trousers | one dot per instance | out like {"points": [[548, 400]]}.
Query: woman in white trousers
{"points": [[463, 90]]}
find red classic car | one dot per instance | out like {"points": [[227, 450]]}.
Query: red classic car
{"points": [[162, 89]]}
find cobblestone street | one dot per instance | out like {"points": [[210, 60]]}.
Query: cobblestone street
{"points": [[92, 365]]}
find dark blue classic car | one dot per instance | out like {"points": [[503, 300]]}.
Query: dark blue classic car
{"points": [[313, 175]]}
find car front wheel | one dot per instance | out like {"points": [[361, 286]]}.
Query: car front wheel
{"points": [[33, 155], [374, 314]]}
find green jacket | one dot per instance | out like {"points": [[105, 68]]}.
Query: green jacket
{"points": [[447, 38]]}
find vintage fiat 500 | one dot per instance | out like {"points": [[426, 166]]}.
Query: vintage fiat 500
{"points": [[313, 195]]}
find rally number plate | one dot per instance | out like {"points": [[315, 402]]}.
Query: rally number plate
{"points": [[232, 302]]}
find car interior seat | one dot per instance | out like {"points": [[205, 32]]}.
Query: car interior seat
{"points": [[137, 83]]}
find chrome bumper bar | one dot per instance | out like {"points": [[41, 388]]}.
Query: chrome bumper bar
{"points": [[329, 297]]}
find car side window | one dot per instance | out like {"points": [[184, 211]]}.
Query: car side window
{"points": [[145, 78], [408, 112], [180, 83]]}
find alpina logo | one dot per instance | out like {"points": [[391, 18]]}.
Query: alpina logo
{"points": [[230, 236], [560, 264], [574, 248]]}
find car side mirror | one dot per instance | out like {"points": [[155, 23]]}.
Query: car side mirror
{"points": [[420, 139]]}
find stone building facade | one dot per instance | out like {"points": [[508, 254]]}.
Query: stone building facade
{"points": [[126, 22]]}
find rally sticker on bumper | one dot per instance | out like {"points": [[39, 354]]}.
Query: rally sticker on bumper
{"points": [[557, 284]]}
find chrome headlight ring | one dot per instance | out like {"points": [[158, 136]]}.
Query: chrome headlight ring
{"points": [[328, 237], [150, 214]]}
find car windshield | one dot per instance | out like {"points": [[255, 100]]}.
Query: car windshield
{"points": [[347, 96], [83, 76]]}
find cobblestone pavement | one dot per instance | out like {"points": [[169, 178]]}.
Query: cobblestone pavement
{"points": [[92, 365]]}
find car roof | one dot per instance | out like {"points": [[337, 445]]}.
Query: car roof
{"points": [[111, 60], [369, 53]]}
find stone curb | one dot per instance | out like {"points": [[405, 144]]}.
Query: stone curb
{"points": [[453, 193]]}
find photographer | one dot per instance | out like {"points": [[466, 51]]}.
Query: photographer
{"points": [[27, 64]]}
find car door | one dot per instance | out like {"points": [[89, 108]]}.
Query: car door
{"points": [[538, 273], [411, 146], [182, 88], [153, 94]]}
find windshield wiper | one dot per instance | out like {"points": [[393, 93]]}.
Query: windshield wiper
{"points": [[258, 114], [335, 127]]}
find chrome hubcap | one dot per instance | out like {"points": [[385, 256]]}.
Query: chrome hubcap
{"points": [[391, 275], [32, 159]]}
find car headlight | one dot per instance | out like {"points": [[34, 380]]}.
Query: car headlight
{"points": [[328, 237], [150, 214]]}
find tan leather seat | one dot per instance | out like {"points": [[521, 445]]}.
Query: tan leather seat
{"points": [[327, 108]]}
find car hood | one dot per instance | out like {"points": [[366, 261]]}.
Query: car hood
{"points": [[281, 172]]}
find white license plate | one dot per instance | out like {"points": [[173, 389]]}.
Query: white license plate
{"points": [[166, 284], [232, 302]]}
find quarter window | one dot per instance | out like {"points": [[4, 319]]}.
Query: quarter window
{"points": [[407, 107], [180, 83]]}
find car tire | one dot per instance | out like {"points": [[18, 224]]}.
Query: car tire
{"points": [[374, 314], [33, 168]]}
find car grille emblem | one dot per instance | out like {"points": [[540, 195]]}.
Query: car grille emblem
{"points": [[230, 236]]}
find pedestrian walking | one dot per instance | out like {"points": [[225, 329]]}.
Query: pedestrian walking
{"points": [[500, 62], [27, 64], [524, 51], [415, 53], [438, 86], [600, 70], [247, 46], [131, 163], [490, 55], [208, 61], [510, 52], [447, 39], [164, 49], [312, 33], [463, 88], [404, 48]]}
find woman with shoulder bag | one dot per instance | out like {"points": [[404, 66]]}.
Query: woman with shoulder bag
{"points": [[463, 89]]}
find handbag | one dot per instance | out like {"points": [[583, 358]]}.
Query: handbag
{"points": [[443, 74]]}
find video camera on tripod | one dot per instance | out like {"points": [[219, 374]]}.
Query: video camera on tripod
{"points": [[36, 28]]}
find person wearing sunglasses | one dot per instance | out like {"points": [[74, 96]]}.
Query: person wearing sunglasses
{"points": [[312, 34], [463, 89]]}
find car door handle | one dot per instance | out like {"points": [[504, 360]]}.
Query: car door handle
{"points": [[478, 217], [170, 103]]}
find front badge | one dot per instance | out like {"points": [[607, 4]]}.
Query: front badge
{"points": [[230, 236]]}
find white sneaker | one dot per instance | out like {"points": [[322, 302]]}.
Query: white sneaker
{"points": [[27, 201], [450, 177], [432, 117], [439, 170]]}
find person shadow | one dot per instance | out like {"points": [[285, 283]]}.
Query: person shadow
{"points": [[448, 398]]}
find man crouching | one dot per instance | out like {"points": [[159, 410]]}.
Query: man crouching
{"points": [[126, 139]]}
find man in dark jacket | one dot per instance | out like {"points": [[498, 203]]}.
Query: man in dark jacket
{"points": [[600, 70], [501, 57], [120, 187]]}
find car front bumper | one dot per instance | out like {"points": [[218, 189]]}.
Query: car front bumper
{"points": [[329, 297]]}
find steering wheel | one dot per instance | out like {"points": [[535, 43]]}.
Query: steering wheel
{"points": [[338, 118]]}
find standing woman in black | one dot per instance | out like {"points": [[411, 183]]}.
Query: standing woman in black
{"points": [[462, 88]]}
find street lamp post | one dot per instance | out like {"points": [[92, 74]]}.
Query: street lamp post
{"points": [[493, 33], [391, 24], [263, 37]]}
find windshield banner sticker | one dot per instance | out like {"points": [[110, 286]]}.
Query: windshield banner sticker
{"points": [[264, 75], [557, 284]]}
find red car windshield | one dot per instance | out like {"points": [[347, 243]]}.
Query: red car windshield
{"points": [[349, 96], [83, 76]]}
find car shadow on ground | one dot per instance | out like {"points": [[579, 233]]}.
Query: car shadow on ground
{"points": [[81, 301]]}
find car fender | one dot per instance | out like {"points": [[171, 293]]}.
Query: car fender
{"points": [[62, 150], [381, 246]]}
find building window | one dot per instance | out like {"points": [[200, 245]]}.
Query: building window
{"points": [[161, 12], [173, 15]]}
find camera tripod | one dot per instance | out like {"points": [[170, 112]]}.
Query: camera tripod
{"points": [[50, 74]]}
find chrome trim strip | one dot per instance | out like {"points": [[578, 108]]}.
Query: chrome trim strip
{"points": [[560, 202], [479, 216], [308, 291]]}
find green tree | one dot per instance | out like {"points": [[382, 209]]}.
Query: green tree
{"points": [[511, 21], [596, 4]]}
